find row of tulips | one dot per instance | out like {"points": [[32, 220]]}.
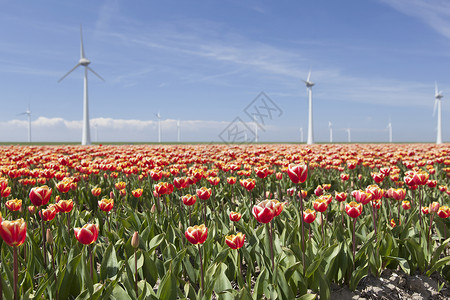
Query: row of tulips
{"points": [[129, 206]]}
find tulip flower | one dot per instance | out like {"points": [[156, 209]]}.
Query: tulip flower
{"points": [[353, 209], [6, 192], [40, 195], [297, 173], [120, 185], [248, 183], [443, 212], [14, 205], [318, 191], [135, 245], [64, 206], [425, 210], [362, 196], [197, 235], [96, 191], [137, 193], [344, 177], [235, 241], [47, 214], [180, 182], [106, 204], [231, 180], [264, 212], [340, 197], [14, 234], [235, 216], [320, 205], [406, 205], [87, 235], [309, 216]]}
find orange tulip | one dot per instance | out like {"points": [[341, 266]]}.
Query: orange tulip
{"points": [[13, 232], [235, 241], [120, 185], [96, 191], [196, 234]]}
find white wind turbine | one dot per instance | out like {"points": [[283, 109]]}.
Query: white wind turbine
{"points": [[158, 116], [349, 135], [331, 132], [309, 84], [437, 104], [256, 128], [28, 113], [389, 127], [86, 135]]}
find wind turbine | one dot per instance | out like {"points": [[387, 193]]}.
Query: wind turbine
{"points": [[256, 128], [390, 130], [331, 132], [159, 126], [437, 103], [28, 113], [301, 134], [309, 84], [86, 135], [178, 131], [349, 135]]}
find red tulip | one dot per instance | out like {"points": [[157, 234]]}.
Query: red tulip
{"points": [[96, 191], [362, 196], [137, 193], [14, 205], [13, 232], [106, 204], [235, 216], [48, 214], [231, 180], [189, 199], [262, 172], [376, 192], [264, 211], [434, 207], [86, 234], [398, 194], [344, 177], [444, 211], [297, 173], [235, 241], [248, 183], [309, 216], [406, 205], [40, 195], [318, 191], [353, 209], [65, 206], [196, 234], [340, 197], [425, 210], [180, 182], [320, 205], [6, 192], [204, 193], [120, 185]]}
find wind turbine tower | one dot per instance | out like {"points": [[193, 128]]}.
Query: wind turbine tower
{"points": [[28, 113], [309, 84], [437, 103], [256, 128], [349, 135], [331, 132], [159, 126], [86, 135], [390, 131]]}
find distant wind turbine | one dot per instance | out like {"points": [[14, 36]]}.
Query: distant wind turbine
{"points": [[301, 134], [309, 84], [437, 103], [178, 131], [28, 113], [256, 128], [390, 130], [86, 135], [331, 132], [349, 135], [158, 116]]}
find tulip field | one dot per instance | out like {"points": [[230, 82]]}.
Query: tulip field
{"points": [[219, 221]]}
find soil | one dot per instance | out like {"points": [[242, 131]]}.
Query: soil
{"points": [[395, 285]]}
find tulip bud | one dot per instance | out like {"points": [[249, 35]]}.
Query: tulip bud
{"points": [[49, 236], [434, 207], [152, 210], [342, 206], [135, 240]]}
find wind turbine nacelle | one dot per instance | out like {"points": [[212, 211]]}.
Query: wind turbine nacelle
{"points": [[84, 61], [309, 84]]}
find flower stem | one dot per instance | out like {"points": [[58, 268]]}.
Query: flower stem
{"points": [[354, 244], [202, 280], [16, 272], [269, 227], [303, 232], [91, 263], [135, 274], [44, 248]]}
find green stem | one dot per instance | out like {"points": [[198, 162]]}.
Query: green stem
{"points": [[269, 227], [303, 231], [91, 263], [354, 244], [44, 248], [16, 272], [202, 278], [135, 274]]}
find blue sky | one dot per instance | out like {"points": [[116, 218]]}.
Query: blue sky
{"points": [[204, 62]]}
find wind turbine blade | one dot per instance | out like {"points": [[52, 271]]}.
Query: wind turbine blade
{"points": [[81, 44], [76, 66], [21, 114], [89, 68], [309, 75], [435, 107], [436, 90]]}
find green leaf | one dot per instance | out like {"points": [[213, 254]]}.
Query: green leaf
{"points": [[168, 288], [438, 264], [155, 242], [357, 275], [439, 250], [313, 267], [109, 267], [119, 294], [259, 285], [308, 297], [403, 263]]}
